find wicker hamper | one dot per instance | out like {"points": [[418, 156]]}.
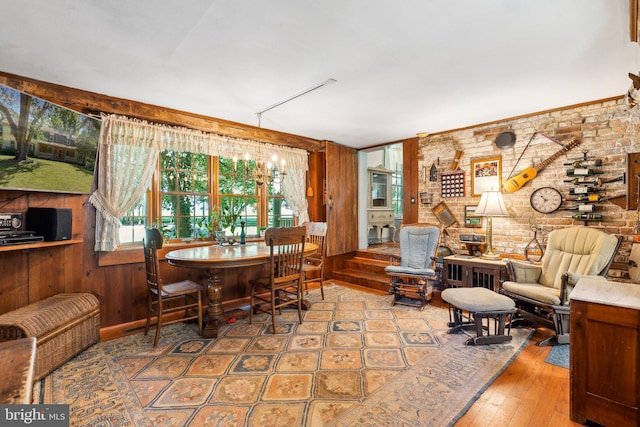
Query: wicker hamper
{"points": [[64, 325]]}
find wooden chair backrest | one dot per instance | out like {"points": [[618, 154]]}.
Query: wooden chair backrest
{"points": [[316, 234], [286, 252], [152, 242]]}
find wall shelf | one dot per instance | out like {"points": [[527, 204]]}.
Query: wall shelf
{"points": [[38, 245]]}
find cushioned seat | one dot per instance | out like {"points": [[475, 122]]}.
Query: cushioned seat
{"points": [[413, 272], [480, 304], [542, 291]]}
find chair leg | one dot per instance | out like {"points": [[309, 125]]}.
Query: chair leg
{"points": [[273, 310], [158, 324], [321, 288], [149, 307], [299, 297], [251, 304]]}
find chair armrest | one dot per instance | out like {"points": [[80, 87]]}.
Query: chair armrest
{"points": [[523, 272], [569, 281]]}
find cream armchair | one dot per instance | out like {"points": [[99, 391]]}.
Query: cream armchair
{"points": [[541, 292]]}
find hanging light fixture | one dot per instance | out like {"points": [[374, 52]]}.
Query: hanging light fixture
{"points": [[260, 172]]}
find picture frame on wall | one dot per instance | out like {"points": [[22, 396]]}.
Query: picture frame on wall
{"points": [[471, 220], [486, 175]]}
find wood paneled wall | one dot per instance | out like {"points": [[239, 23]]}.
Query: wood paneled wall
{"points": [[32, 274]]}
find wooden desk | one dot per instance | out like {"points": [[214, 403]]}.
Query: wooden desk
{"points": [[214, 258], [18, 358]]}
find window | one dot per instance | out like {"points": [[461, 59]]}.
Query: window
{"points": [[279, 212], [132, 225], [185, 195], [396, 192], [190, 185]]}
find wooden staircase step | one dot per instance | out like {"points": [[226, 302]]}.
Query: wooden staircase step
{"points": [[363, 278], [372, 265], [373, 255]]}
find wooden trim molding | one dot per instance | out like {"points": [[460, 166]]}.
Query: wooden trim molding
{"points": [[633, 20], [91, 102]]}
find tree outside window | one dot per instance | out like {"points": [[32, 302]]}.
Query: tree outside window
{"points": [[190, 186]]}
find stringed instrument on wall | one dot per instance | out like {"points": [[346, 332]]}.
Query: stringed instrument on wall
{"points": [[516, 182]]}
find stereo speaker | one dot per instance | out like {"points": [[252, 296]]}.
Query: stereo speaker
{"points": [[50, 223]]}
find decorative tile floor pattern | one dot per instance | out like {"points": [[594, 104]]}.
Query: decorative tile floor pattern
{"points": [[354, 360]]}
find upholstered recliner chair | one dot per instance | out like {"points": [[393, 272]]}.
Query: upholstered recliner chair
{"points": [[541, 292], [413, 273]]}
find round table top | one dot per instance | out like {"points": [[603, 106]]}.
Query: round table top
{"points": [[223, 256]]}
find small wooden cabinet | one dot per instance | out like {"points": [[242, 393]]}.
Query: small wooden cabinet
{"points": [[380, 209], [605, 353], [473, 272]]}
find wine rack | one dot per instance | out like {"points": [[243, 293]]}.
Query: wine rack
{"points": [[588, 188]]}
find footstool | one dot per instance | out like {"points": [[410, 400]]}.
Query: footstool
{"points": [[479, 304]]}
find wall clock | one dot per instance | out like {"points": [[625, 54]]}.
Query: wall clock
{"points": [[545, 200]]}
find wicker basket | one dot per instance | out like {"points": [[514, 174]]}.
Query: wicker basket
{"points": [[64, 325]]}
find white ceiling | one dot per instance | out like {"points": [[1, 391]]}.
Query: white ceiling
{"points": [[402, 67]]}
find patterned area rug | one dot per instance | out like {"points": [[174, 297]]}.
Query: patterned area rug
{"points": [[559, 356], [353, 361]]}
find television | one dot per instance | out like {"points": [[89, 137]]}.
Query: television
{"points": [[45, 147]]}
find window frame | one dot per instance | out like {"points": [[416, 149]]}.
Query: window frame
{"points": [[262, 196]]}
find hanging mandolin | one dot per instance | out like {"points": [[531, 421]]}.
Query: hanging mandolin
{"points": [[516, 182]]}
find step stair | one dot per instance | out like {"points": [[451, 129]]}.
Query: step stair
{"points": [[365, 269]]}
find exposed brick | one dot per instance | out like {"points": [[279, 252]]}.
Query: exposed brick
{"points": [[604, 134]]}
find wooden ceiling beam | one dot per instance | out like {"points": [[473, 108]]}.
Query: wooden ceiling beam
{"points": [[91, 102]]}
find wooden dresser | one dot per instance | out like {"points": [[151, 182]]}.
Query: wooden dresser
{"points": [[605, 353]]}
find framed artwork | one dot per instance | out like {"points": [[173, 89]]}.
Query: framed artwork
{"points": [[471, 220], [486, 175], [444, 214]]}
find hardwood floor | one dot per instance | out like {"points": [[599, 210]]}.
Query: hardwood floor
{"points": [[529, 393]]}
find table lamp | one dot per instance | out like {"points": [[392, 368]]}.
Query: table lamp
{"points": [[491, 204]]}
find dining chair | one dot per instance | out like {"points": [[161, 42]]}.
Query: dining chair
{"points": [[184, 296], [313, 266], [283, 286]]}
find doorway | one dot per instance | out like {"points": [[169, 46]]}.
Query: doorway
{"points": [[389, 160]]}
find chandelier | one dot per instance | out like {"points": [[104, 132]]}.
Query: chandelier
{"points": [[263, 172]]}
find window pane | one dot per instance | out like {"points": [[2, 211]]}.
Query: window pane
{"points": [[185, 194], [234, 210], [168, 181], [280, 214], [134, 222], [238, 199], [185, 182]]}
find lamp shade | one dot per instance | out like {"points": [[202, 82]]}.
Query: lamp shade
{"points": [[491, 204]]}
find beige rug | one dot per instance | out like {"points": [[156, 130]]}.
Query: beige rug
{"points": [[353, 361]]}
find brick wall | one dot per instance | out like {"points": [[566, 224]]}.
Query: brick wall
{"points": [[606, 132]]}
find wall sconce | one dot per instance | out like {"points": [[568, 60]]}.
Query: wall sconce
{"points": [[426, 198]]}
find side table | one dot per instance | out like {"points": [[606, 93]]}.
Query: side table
{"points": [[466, 271]]}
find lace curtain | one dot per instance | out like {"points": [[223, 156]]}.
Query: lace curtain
{"points": [[128, 151], [127, 155]]}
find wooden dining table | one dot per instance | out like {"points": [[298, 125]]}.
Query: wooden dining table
{"points": [[214, 258]]}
